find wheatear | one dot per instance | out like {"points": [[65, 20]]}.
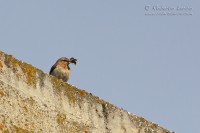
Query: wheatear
{"points": [[61, 68]]}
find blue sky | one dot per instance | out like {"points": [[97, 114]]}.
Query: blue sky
{"points": [[145, 60]]}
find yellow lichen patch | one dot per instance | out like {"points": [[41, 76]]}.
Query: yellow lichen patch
{"points": [[81, 92], [4, 120], [30, 73], [56, 82], [26, 125], [25, 108], [31, 101], [61, 118], [68, 91], [27, 70], [153, 125], [10, 61], [1, 127], [1, 93], [1, 53], [1, 65], [71, 97], [20, 130], [18, 76], [64, 88]]}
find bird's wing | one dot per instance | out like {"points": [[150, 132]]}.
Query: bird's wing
{"points": [[52, 68]]}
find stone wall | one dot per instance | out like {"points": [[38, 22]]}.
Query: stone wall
{"points": [[32, 101]]}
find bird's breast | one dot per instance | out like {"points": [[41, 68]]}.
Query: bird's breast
{"points": [[61, 73]]}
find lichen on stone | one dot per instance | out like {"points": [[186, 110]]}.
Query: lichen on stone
{"points": [[1, 65], [48, 104], [2, 93], [61, 118]]}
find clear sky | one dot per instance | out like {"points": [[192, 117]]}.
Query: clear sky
{"points": [[143, 56]]}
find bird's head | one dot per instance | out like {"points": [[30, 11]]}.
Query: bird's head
{"points": [[67, 61]]}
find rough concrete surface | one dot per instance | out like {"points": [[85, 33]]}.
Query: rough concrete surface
{"points": [[32, 101]]}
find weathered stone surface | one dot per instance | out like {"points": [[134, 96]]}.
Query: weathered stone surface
{"points": [[34, 102]]}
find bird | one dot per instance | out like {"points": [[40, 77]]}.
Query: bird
{"points": [[61, 68]]}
